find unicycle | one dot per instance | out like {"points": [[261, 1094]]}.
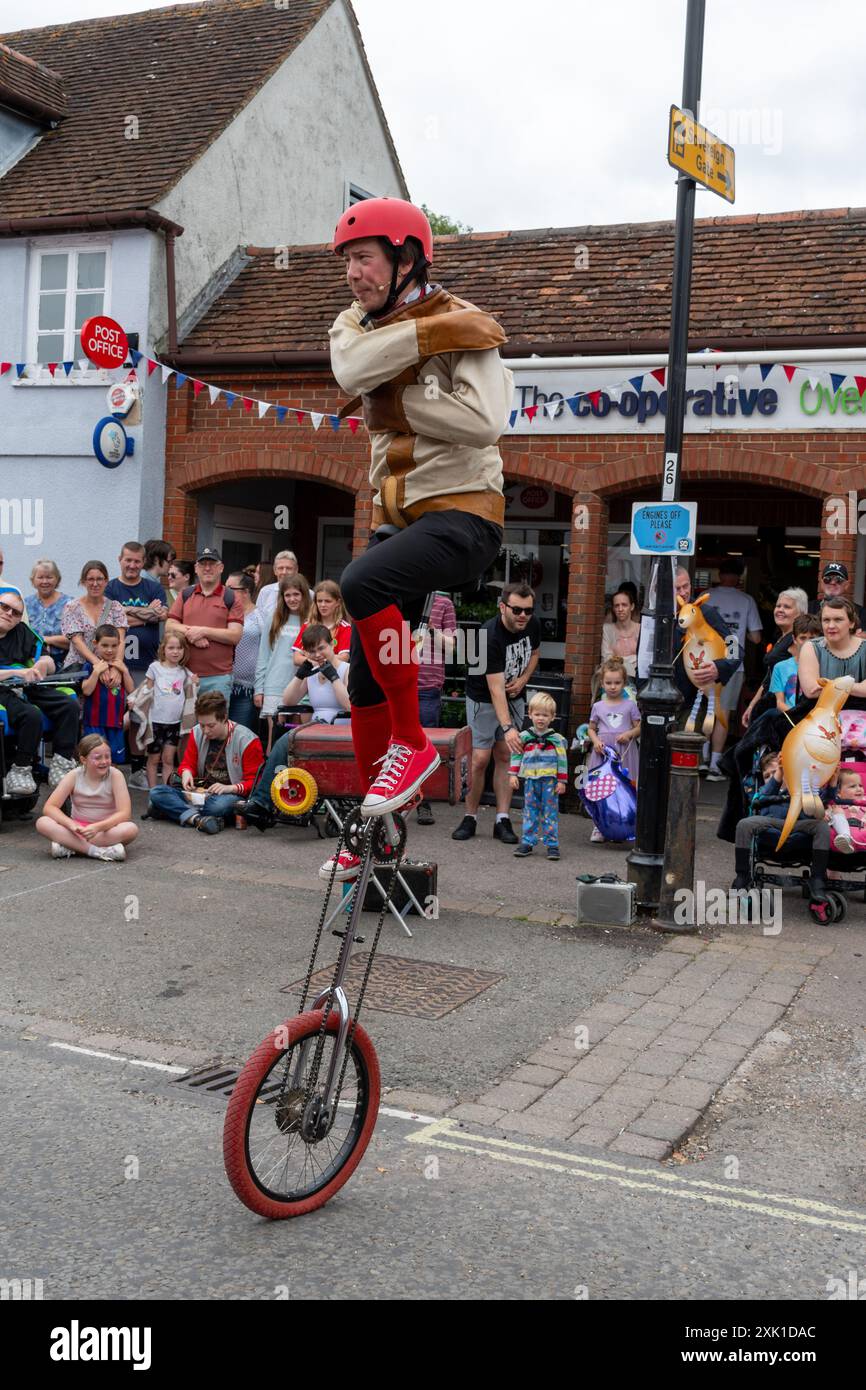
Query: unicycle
{"points": [[305, 1104]]}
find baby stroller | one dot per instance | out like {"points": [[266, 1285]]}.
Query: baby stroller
{"points": [[792, 866]]}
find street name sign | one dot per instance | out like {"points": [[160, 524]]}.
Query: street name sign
{"points": [[700, 154]]}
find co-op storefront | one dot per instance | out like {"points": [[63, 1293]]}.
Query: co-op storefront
{"points": [[775, 434], [767, 453]]}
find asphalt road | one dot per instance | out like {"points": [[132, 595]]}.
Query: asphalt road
{"points": [[180, 956]]}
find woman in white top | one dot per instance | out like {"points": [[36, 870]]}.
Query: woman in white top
{"points": [[275, 665]]}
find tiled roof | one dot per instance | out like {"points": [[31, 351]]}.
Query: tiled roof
{"points": [[29, 86], [790, 273], [184, 72]]}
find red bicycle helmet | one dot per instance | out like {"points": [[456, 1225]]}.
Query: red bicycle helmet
{"points": [[392, 218]]}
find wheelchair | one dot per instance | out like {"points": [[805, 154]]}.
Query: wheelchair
{"points": [[20, 807]]}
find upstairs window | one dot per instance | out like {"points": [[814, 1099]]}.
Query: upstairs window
{"points": [[70, 285]]}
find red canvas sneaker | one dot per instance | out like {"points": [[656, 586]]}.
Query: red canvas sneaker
{"points": [[403, 771], [348, 867]]}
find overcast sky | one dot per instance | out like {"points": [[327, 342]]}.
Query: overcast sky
{"points": [[554, 113]]}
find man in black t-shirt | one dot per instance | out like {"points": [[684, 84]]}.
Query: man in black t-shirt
{"points": [[21, 656], [495, 704]]}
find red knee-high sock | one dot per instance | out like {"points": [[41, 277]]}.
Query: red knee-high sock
{"points": [[388, 648], [371, 732]]}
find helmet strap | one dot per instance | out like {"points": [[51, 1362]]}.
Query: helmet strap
{"points": [[395, 290]]}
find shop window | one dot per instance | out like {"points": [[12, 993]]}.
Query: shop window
{"points": [[69, 285]]}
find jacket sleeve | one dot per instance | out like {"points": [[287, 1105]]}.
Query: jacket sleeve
{"points": [[262, 660], [561, 759], [362, 361], [474, 412], [726, 666], [189, 761], [251, 760]]}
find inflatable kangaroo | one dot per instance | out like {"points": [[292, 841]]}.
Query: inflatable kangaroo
{"points": [[811, 752], [701, 645]]}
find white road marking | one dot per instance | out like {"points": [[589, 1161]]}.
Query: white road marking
{"points": [[115, 1057], [445, 1134], [40, 887]]}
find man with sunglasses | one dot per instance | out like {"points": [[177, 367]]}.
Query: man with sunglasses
{"points": [[495, 703], [21, 656]]}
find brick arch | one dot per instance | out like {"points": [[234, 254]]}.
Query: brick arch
{"points": [[702, 462], [526, 465], [195, 474]]}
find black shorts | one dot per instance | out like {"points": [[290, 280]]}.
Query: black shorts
{"points": [[164, 734]]}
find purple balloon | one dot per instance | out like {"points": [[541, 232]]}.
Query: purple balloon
{"points": [[610, 798]]}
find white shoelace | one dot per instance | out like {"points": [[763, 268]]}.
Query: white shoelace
{"points": [[393, 762]]}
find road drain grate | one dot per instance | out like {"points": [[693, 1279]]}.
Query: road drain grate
{"points": [[217, 1079], [421, 988]]}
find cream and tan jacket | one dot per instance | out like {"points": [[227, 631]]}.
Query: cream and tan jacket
{"points": [[436, 400]]}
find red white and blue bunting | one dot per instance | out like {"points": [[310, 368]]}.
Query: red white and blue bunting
{"points": [[35, 371]]}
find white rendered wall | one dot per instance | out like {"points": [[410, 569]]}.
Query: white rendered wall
{"points": [[46, 432], [277, 176]]}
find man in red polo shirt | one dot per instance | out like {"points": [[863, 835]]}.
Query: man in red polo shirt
{"points": [[212, 626]]}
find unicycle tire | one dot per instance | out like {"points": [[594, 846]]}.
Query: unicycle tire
{"points": [[255, 1135]]}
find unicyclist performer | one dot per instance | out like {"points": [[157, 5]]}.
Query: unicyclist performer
{"points": [[436, 398]]}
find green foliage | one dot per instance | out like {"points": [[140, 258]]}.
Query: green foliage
{"points": [[442, 224]]}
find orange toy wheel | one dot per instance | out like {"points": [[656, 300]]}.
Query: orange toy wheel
{"points": [[294, 791]]}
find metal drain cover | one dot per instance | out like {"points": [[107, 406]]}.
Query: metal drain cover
{"points": [[420, 988], [217, 1079]]}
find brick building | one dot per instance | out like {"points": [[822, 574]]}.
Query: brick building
{"points": [[765, 447]]}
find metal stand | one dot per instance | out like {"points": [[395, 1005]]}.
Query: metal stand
{"points": [[369, 875]]}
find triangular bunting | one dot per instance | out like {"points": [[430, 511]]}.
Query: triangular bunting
{"points": [[531, 411], [861, 384], [789, 371], [299, 416], [511, 419], [248, 403], [264, 407], [766, 368], [282, 412], [136, 356], [574, 401], [353, 422], [197, 388], [636, 382], [615, 393], [151, 366], [550, 408], [52, 367], [316, 418], [5, 367], [335, 421], [659, 374], [84, 364], [20, 368], [836, 379], [166, 373], [814, 382], [180, 379], [595, 396], [214, 392], [231, 397], [67, 367]]}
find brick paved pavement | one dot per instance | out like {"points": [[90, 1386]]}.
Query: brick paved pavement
{"points": [[634, 1071]]}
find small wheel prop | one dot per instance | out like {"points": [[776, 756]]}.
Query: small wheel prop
{"points": [[294, 791]]}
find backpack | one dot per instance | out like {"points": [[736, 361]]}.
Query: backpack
{"points": [[228, 596]]}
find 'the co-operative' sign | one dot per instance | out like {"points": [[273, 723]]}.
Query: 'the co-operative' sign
{"points": [[104, 342]]}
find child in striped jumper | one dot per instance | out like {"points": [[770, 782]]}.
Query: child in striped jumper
{"points": [[543, 764]]}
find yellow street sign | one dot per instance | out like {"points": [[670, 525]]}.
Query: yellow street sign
{"points": [[700, 154]]}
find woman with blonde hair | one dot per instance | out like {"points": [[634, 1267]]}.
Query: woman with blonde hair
{"points": [[327, 608], [45, 607]]}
